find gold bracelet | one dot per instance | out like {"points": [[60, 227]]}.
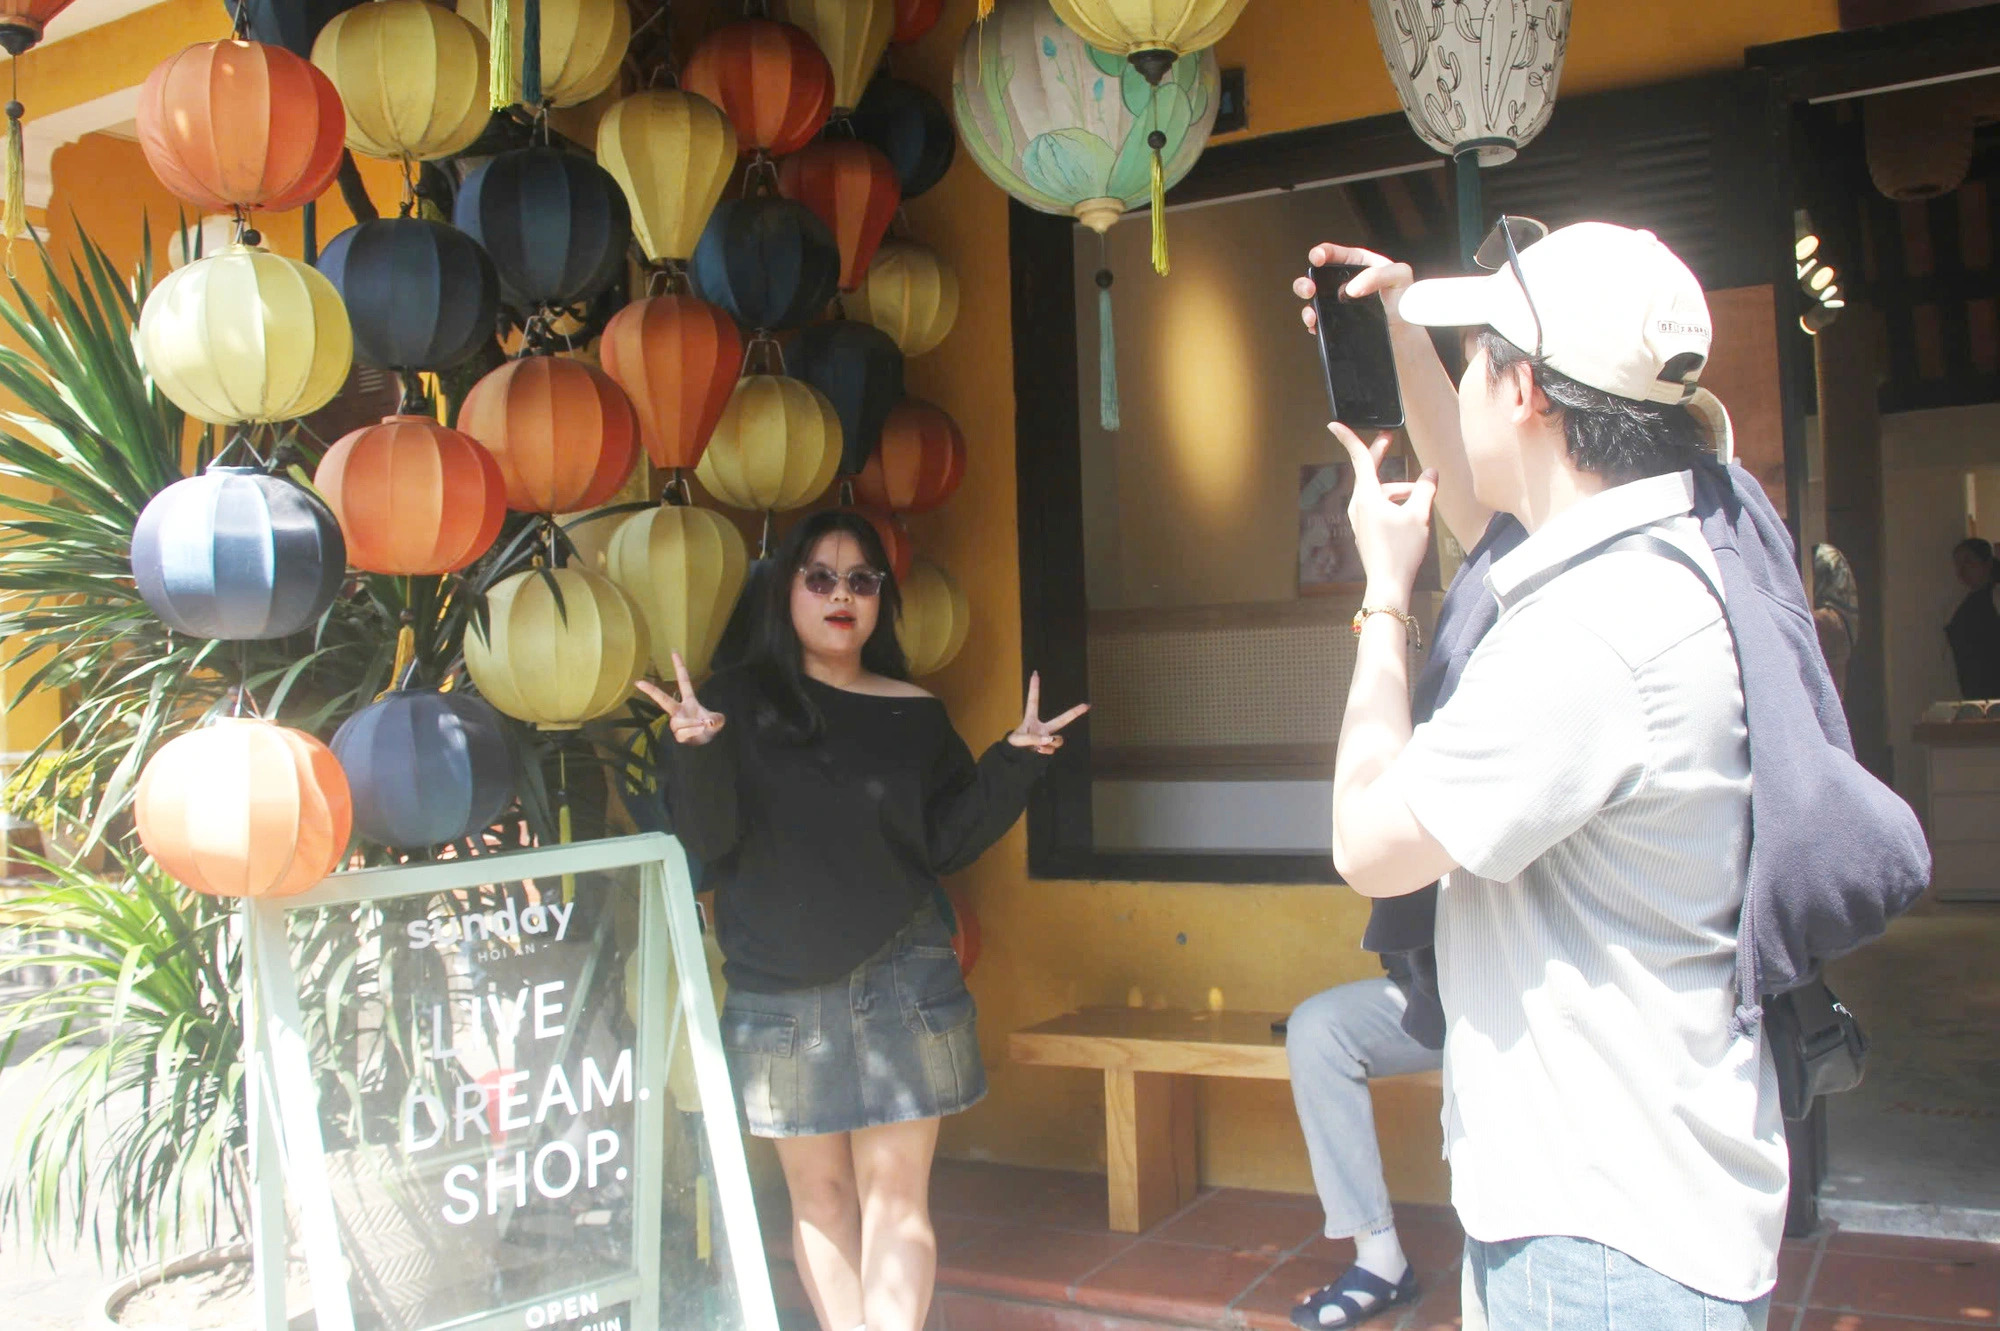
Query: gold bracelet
{"points": [[1409, 622]]}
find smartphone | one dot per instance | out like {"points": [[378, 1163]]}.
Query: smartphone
{"points": [[1354, 351]]}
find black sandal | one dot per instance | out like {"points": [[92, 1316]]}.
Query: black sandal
{"points": [[1331, 1307]]}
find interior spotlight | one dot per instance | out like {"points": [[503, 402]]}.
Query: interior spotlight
{"points": [[1821, 279], [1805, 241]]}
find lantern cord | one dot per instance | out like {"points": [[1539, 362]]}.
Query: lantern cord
{"points": [[531, 54], [1157, 141], [412, 401], [500, 52], [764, 541], [1107, 343], [409, 202]]}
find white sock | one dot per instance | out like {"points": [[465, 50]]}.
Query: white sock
{"points": [[1378, 1251]]}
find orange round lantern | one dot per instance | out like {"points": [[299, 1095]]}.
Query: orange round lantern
{"points": [[564, 434], [918, 464], [852, 187], [768, 78], [245, 808], [914, 18], [413, 497], [678, 359], [237, 124], [896, 542]]}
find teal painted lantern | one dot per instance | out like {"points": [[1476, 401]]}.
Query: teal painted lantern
{"points": [[1074, 131]]}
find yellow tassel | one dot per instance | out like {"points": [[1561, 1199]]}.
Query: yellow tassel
{"points": [[1160, 263], [15, 221], [985, 10], [500, 43], [563, 823], [406, 652]]}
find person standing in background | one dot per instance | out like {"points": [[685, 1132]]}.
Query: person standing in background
{"points": [[1974, 630], [1836, 611]]}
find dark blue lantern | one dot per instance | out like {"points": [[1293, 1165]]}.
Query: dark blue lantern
{"points": [[292, 24], [425, 768], [768, 261], [912, 129], [555, 223], [860, 369], [236, 554], [421, 295]]}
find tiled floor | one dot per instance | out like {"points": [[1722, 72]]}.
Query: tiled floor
{"points": [[1028, 1250]]}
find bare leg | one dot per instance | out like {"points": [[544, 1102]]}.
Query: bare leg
{"points": [[892, 1171], [826, 1225]]}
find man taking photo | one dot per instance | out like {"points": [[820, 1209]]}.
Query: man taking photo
{"points": [[1583, 794]]}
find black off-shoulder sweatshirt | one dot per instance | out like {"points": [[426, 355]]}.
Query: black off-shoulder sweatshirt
{"points": [[820, 853]]}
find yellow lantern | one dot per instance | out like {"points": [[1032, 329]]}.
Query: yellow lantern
{"points": [[583, 43], [910, 293], [1152, 34], [936, 618], [557, 663], [852, 34], [671, 152], [246, 337], [776, 447], [413, 76], [685, 567]]}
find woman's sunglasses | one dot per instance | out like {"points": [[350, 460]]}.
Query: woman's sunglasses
{"points": [[821, 580]]}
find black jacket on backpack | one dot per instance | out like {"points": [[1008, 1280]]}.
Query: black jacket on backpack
{"points": [[1834, 853]]}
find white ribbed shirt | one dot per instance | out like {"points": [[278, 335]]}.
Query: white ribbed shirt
{"points": [[1591, 775]]}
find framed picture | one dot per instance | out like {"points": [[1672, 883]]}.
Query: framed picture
{"points": [[1328, 560]]}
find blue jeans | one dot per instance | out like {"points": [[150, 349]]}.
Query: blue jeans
{"points": [[1569, 1284]]}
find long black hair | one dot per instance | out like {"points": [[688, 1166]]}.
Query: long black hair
{"points": [[761, 641]]}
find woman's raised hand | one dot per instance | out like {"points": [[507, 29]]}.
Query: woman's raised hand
{"points": [[686, 717], [1034, 733]]}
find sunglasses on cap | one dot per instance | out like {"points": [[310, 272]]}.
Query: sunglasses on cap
{"points": [[821, 580], [1502, 249]]}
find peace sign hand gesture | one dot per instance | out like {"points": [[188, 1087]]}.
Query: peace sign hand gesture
{"points": [[686, 717], [1035, 733]]}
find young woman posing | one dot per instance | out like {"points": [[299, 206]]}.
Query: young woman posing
{"points": [[824, 814]]}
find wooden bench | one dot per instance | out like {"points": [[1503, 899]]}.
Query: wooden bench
{"points": [[1150, 1060]]}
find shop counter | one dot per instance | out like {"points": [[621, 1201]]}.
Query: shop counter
{"points": [[1961, 744]]}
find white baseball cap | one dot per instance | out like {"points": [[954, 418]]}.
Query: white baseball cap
{"points": [[1618, 311]]}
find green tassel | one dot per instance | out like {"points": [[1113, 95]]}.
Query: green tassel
{"points": [[531, 54], [1107, 356], [500, 47]]}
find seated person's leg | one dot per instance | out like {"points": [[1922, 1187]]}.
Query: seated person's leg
{"points": [[1336, 1041]]}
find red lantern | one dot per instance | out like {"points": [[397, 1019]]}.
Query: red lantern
{"points": [[918, 464], [238, 124], [22, 22], [914, 18], [769, 79], [896, 540], [852, 187], [966, 939], [678, 359], [564, 434], [413, 498]]}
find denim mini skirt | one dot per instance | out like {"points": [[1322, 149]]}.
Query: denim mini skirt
{"points": [[894, 1040]]}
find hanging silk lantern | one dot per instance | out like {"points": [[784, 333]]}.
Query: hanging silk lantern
{"points": [[420, 295], [852, 34], [1152, 34], [857, 367], [246, 337], [292, 24], [555, 223], [685, 567], [912, 129], [896, 542], [920, 463], [412, 75], [852, 188], [678, 359], [581, 47], [23, 21], [413, 497], [769, 262], [914, 19], [769, 78], [671, 152], [776, 447], [236, 124], [244, 808], [560, 647], [237, 554], [910, 293], [1018, 90], [936, 618], [557, 427], [425, 768]]}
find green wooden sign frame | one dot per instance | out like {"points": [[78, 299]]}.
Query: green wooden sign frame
{"points": [[287, 1146]]}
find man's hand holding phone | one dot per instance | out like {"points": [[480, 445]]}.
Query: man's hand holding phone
{"points": [[1381, 276]]}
